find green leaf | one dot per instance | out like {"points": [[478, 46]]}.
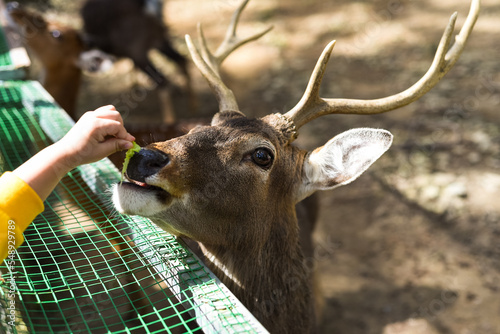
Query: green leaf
{"points": [[130, 153]]}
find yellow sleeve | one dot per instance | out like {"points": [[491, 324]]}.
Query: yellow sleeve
{"points": [[19, 205]]}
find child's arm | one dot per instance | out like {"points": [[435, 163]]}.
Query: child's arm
{"points": [[96, 135]]}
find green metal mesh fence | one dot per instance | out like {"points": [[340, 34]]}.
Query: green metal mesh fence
{"points": [[84, 268]]}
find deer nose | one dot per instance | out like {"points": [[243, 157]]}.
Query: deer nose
{"points": [[146, 163]]}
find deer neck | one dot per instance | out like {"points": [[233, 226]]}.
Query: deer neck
{"points": [[63, 83], [271, 278]]}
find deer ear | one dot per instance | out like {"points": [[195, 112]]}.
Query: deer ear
{"points": [[343, 159]]}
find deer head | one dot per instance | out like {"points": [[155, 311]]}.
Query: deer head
{"points": [[233, 186]]}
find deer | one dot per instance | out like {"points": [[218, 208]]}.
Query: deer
{"points": [[119, 30], [234, 186], [58, 48], [130, 29]]}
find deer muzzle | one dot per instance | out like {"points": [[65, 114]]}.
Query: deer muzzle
{"points": [[139, 195], [146, 163]]}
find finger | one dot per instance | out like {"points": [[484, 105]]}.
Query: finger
{"points": [[113, 145], [108, 112], [123, 145], [107, 127], [107, 107]]}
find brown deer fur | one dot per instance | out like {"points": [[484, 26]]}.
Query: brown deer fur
{"points": [[206, 186], [233, 186]]}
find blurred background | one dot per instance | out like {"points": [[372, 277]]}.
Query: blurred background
{"points": [[412, 246]]}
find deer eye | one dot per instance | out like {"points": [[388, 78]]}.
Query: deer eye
{"points": [[262, 157], [56, 34]]}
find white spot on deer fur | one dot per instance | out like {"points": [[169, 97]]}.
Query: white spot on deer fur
{"points": [[95, 61]]}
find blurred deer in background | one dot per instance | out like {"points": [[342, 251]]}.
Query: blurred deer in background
{"points": [[130, 29], [58, 48], [233, 186], [123, 29]]}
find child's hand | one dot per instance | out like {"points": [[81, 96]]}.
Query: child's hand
{"points": [[96, 135]]}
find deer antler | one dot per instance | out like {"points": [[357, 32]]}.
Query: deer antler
{"points": [[312, 105], [209, 64]]}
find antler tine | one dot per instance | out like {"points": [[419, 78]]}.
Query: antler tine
{"points": [[231, 41], [224, 95], [312, 105], [209, 64]]}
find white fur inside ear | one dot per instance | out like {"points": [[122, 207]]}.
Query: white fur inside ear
{"points": [[343, 159]]}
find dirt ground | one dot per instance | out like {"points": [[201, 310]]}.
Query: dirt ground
{"points": [[412, 246]]}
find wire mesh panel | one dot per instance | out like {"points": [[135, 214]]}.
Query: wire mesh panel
{"points": [[84, 268]]}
